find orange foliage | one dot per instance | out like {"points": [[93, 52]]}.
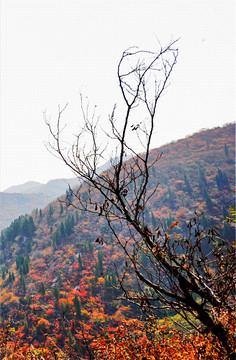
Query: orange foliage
{"points": [[173, 224], [49, 312], [43, 322], [131, 340]]}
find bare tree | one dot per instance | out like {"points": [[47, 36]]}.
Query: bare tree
{"points": [[192, 275]]}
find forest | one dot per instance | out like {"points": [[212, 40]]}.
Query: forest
{"points": [[70, 291]]}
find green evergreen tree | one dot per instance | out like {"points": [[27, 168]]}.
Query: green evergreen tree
{"points": [[23, 283], [31, 226], [226, 150], [221, 180], [208, 200], [61, 209], [42, 289], [26, 326], [9, 277], [187, 184], [80, 261], [28, 300], [70, 337], [59, 278], [29, 245], [169, 220], [63, 308], [205, 223], [100, 261], [202, 178], [77, 306], [62, 230], [25, 228], [19, 261], [90, 247], [50, 211], [171, 197], [56, 292]]}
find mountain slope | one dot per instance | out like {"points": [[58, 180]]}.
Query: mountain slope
{"points": [[54, 273]]}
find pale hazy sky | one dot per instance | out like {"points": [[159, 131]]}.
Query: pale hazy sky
{"points": [[51, 50]]}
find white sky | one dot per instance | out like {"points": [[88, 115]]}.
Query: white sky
{"points": [[51, 50]]}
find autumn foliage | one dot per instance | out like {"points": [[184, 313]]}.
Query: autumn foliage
{"points": [[132, 340], [59, 288]]}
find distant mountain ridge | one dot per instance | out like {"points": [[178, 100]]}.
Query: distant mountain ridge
{"points": [[54, 187], [23, 188], [22, 199]]}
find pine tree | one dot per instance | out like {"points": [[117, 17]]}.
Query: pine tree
{"points": [[226, 150], [23, 283], [70, 337], [9, 277], [208, 200], [77, 306], [50, 211], [56, 292], [29, 246], [80, 261], [42, 289], [62, 230], [204, 221], [100, 261], [187, 184], [3, 274], [202, 178], [25, 228], [221, 180], [26, 326], [31, 226]]}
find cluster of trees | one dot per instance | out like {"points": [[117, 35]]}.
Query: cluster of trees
{"points": [[23, 226], [63, 231]]}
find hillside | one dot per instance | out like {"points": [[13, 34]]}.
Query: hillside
{"points": [[56, 279]]}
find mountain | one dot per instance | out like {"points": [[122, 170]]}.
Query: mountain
{"points": [[13, 205], [56, 278], [26, 188], [22, 199], [52, 188]]}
